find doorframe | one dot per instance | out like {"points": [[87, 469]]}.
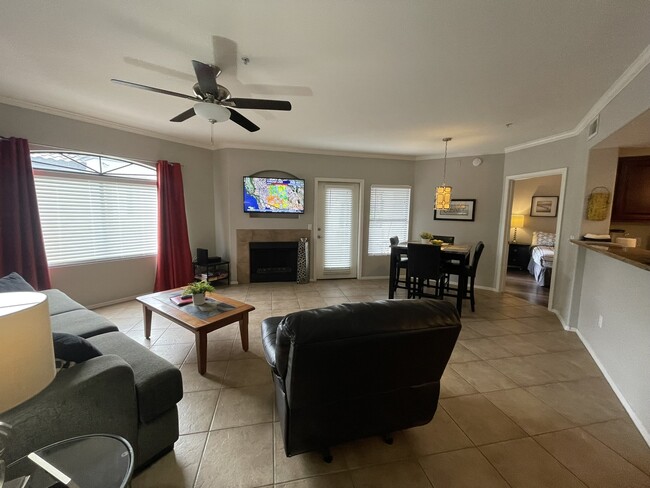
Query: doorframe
{"points": [[362, 198], [504, 227]]}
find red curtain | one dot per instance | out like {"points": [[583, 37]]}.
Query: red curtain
{"points": [[21, 240], [174, 262]]}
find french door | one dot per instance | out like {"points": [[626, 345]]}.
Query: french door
{"points": [[337, 229]]}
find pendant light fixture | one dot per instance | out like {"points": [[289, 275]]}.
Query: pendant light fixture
{"points": [[443, 192]]}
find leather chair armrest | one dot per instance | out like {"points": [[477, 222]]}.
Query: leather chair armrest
{"points": [[269, 335]]}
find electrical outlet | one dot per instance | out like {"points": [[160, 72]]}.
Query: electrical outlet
{"points": [[308, 226], [600, 321]]}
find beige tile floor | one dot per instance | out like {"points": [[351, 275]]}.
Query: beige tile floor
{"points": [[522, 404]]}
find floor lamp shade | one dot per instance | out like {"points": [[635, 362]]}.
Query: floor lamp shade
{"points": [[26, 349]]}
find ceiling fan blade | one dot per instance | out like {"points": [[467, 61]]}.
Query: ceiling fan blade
{"points": [[184, 116], [260, 104], [239, 119], [207, 77], [156, 90]]}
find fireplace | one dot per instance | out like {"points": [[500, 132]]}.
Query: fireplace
{"points": [[273, 261]]}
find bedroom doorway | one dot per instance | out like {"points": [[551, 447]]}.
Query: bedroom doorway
{"points": [[531, 222]]}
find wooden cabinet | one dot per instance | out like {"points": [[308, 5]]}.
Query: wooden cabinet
{"points": [[632, 190], [518, 255]]}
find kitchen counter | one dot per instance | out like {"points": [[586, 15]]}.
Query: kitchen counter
{"points": [[630, 255]]}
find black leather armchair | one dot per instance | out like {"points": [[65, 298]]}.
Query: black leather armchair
{"points": [[357, 369]]}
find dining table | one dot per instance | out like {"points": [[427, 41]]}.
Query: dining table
{"points": [[450, 252]]}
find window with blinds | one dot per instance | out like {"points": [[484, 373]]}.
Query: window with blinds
{"points": [[87, 215], [337, 256], [389, 216]]}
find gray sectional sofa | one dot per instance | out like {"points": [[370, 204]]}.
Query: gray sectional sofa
{"points": [[127, 391]]}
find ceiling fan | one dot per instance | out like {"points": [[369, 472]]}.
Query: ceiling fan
{"points": [[213, 100]]}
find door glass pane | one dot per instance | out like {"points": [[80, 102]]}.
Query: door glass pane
{"points": [[338, 230]]}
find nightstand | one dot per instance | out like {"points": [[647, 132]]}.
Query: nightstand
{"points": [[518, 255]]}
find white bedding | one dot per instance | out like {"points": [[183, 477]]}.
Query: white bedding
{"points": [[543, 255]]}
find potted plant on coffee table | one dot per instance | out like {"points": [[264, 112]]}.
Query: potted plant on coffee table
{"points": [[198, 290]]}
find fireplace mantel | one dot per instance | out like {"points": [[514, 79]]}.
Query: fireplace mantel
{"points": [[245, 236]]}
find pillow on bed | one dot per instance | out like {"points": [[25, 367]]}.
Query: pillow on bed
{"points": [[543, 239]]}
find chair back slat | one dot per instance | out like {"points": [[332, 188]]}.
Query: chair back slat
{"points": [[424, 261]]}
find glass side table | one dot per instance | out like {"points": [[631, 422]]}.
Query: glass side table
{"points": [[89, 461]]}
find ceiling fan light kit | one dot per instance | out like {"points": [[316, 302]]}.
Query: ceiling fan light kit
{"points": [[214, 102], [212, 112], [443, 192]]}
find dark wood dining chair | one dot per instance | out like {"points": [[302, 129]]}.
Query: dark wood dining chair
{"points": [[424, 266], [470, 272], [400, 264]]}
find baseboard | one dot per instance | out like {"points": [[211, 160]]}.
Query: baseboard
{"points": [[112, 302], [565, 325], [628, 408], [374, 278]]}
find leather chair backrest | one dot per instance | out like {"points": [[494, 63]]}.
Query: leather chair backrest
{"points": [[355, 349]]}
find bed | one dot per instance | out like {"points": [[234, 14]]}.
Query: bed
{"points": [[542, 254]]}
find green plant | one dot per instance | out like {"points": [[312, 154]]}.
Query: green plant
{"points": [[426, 235], [198, 288]]}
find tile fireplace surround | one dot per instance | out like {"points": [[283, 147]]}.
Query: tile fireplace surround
{"points": [[246, 236]]}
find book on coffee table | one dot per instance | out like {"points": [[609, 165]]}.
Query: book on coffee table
{"points": [[181, 300]]}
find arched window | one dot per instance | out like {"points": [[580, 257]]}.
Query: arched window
{"points": [[94, 208]]}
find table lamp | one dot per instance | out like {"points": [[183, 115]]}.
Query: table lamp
{"points": [[26, 353], [516, 221]]}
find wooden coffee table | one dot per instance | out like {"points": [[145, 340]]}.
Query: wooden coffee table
{"points": [[195, 320]]}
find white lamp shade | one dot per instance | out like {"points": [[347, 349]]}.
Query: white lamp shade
{"points": [[212, 111], [26, 348], [517, 221]]}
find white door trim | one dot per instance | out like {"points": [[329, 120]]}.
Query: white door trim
{"points": [[504, 227], [360, 235]]}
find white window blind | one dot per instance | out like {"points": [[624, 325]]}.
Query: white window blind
{"points": [[337, 257], [389, 216], [93, 218]]}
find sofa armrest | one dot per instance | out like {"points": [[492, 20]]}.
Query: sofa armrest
{"points": [[97, 396]]}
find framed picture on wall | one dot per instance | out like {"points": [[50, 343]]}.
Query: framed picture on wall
{"points": [[458, 210], [543, 207]]}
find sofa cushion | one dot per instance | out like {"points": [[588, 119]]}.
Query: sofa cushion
{"points": [[158, 383], [14, 282], [59, 302], [73, 348], [82, 323]]}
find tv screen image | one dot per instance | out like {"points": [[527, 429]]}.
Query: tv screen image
{"points": [[274, 195]]}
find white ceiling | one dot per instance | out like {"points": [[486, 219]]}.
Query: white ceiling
{"points": [[389, 77]]}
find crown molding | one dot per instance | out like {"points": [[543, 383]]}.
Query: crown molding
{"points": [[632, 71], [95, 121], [325, 152], [156, 135]]}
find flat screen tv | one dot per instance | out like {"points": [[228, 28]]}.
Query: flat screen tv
{"points": [[274, 195]]}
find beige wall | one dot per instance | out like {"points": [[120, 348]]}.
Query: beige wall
{"points": [[483, 183], [97, 283], [233, 164], [524, 191]]}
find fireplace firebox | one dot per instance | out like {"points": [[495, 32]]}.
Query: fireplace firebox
{"points": [[273, 261]]}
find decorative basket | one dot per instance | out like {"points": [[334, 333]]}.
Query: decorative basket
{"points": [[598, 203]]}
